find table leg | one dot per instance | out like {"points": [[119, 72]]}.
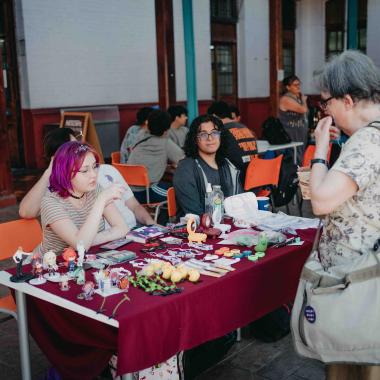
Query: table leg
{"points": [[23, 335], [295, 155]]}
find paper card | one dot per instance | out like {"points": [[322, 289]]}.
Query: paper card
{"points": [[109, 292]]}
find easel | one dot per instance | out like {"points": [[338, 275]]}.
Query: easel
{"points": [[82, 125]]}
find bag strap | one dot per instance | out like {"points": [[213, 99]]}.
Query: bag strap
{"points": [[141, 141]]}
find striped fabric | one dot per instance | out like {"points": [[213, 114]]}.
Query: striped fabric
{"points": [[54, 208]]}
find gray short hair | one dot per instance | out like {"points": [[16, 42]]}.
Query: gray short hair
{"points": [[351, 73]]}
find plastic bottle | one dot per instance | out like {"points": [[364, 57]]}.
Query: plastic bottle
{"points": [[217, 198], [208, 200]]}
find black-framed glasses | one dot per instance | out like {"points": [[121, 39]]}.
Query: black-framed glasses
{"points": [[323, 103], [204, 136]]}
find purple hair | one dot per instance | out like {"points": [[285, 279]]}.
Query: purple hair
{"points": [[67, 161]]}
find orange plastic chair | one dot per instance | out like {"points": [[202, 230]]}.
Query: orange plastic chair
{"points": [[172, 204], [115, 157], [136, 175], [25, 233], [262, 172], [309, 154]]}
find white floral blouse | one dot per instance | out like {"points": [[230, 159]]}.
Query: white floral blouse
{"points": [[354, 226]]}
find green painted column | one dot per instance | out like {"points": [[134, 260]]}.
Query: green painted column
{"points": [[352, 24], [191, 77]]}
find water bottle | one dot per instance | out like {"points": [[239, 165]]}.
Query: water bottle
{"points": [[208, 200], [217, 198]]}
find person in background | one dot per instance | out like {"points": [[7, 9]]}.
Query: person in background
{"points": [[132, 132], [241, 141], [292, 113], [153, 149], [235, 113], [205, 162], [349, 192], [73, 208], [178, 129], [128, 206]]}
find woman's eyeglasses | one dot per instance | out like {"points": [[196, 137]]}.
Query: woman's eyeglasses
{"points": [[323, 103], [204, 136]]}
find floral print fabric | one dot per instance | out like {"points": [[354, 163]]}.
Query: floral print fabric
{"points": [[354, 227]]}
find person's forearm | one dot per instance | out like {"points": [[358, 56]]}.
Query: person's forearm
{"points": [[112, 233], [317, 175], [31, 203], [142, 215]]}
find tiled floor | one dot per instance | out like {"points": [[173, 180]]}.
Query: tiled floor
{"points": [[247, 360]]}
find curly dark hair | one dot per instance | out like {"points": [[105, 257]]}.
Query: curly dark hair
{"points": [[191, 144]]}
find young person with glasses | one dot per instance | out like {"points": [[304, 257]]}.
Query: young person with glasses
{"points": [[73, 208], [128, 206], [205, 162]]}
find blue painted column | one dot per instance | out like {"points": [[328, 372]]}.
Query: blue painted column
{"points": [[352, 24], [191, 77]]}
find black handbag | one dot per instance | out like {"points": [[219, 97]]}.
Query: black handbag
{"points": [[274, 132]]}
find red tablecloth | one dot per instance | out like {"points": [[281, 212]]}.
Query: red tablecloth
{"points": [[153, 328]]}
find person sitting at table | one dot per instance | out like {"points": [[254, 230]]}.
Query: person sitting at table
{"points": [[73, 208], [235, 113], [292, 113], [130, 136], [241, 141], [178, 129], [205, 161], [153, 150], [128, 206]]}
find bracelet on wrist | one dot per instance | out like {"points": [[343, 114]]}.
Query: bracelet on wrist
{"points": [[319, 161]]}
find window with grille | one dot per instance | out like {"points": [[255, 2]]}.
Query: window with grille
{"points": [[223, 10], [335, 26], [223, 70]]}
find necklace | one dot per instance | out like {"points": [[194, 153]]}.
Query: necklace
{"points": [[75, 197]]}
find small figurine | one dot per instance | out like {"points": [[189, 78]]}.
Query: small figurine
{"points": [[37, 270], [262, 244], [68, 255], [50, 263], [81, 252], [80, 274], [64, 283], [18, 259], [194, 236], [88, 290]]}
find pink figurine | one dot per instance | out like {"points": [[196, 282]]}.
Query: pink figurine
{"points": [[88, 290]]}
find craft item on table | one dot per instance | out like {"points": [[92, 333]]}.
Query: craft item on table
{"points": [[204, 271], [246, 237], [115, 244], [172, 258], [88, 290], [187, 217], [154, 286], [245, 253], [256, 256], [262, 243], [90, 257], [226, 261], [212, 233], [138, 263], [240, 223], [18, 259], [116, 257], [69, 255], [194, 275], [215, 267], [145, 233], [184, 253], [206, 220], [192, 235], [50, 263], [124, 283], [201, 246], [209, 257], [64, 283], [221, 251], [171, 240], [81, 252], [37, 270], [291, 241]]}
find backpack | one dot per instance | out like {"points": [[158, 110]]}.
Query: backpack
{"points": [[274, 132], [287, 183]]}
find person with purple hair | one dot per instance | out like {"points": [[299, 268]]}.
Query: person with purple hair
{"points": [[73, 208]]}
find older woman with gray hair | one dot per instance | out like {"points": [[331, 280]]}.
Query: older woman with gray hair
{"points": [[348, 193]]}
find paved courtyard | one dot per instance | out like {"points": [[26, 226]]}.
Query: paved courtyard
{"points": [[249, 359]]}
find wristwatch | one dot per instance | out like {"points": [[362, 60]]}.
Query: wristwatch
{"points": [[319, 161]]}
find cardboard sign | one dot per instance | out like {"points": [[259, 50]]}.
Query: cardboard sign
{"points": [[82, 125]]}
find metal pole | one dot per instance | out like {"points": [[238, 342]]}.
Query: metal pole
{"points": [[191, 77], [352, 24], [23, 335]]}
